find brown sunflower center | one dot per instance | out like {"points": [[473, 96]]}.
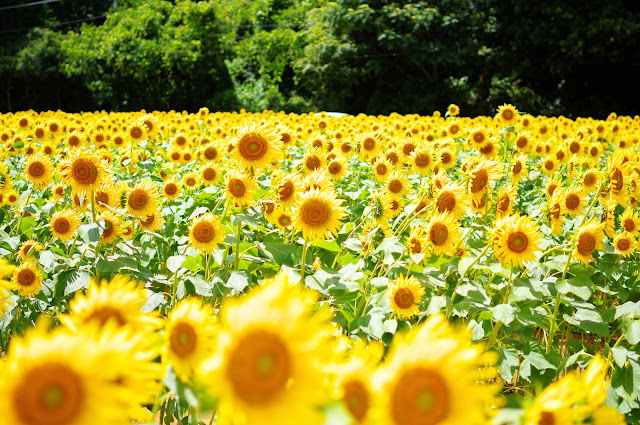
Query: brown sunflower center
{"points": [[102, 314], [136, 132], [422, 160], [252, 146], [269, 207], [487, 149], [446, 201], [315, 212], [623, 244], [446, 158], [517, 242], [478, 137], [237, 188], [345, 147], [138, 199], [170, 189], [403, 298], [39, 133], [356, 397], [395, 186], [284, 220], [503, 203], [259, 367], [479, 180], [589, 179], [203, 232], [369, 144], [572, 201], [381, 169], [438, 234], [61, 225], [420, 397], [574, 147], [108, 230], [26, 277], [335, 167], [522, 142], [586, 243], [36, 169], [286, 190], [183, 340], [210, 153], [408, 148], [507, 114], [415, 246], [84, 171], [546, 418], [312, 162], [49, 394], [629, 225], [617, 181], [549, 165], [209, 174]]}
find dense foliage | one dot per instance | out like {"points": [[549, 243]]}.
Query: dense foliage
{"points": [[571, 58]]}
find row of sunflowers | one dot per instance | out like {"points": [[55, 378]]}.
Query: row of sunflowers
{"points": [[240, 268]]}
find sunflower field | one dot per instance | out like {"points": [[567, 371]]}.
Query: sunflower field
{"points": [[240, 268]]}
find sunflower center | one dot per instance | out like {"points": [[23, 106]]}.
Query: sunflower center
{"points": [[259, 367], [138, 199], [478, 137], [445, 157], [36, 169], [415, 246], [617, 181], [170, 189], [102, 198], [589, 180], [269, 207], [285, 190], [422, 160], [479, 180], [593, 151], [408, 148], [381, 169], [136, 132], [420, 397], [59, 190], [236, 188], [108, 230], [369, 144], [403, 298], [555, 211], [586, 243], [549, 164], [284, 220], [356, 397], [39, 133], [345, 147], [487, 149], [521, 142], [335, 168], [210, 153], [623, 244], [252, 146], [84, 171], [312, 162], [446, 201], [74, 141], [26, 277], [574, 147], [183, 340], [102, 314], [204, 232], [315, 212], [629, 225], [572, 201], [438, 234], [504, 203], [507, 114], [175, 156], [395, 186], [209, 174], [49, 394], [191, 182], [517, 242]]}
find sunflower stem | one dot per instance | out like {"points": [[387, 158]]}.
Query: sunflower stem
{"points": [[93, 207], [505, 297], [304, 258], [238, 236], [20, 212]]}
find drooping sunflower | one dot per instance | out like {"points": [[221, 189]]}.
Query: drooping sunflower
{"points": [[27, 279], [434, 375], [589, 239], [189, 335], [113, 228], [205, 233], [481, 176], [268, 363], [318, 213], [288, 187], [153, 222], [256, 146], [442, 234], [64, 224], [516, 240], [209, 173], [84, 171], [142, 200], [506, 200], [28, 249], [240, 188], [416, 242], [556, 213], [39, 169], [624, 243], [117, 301], [519, 168], [552, 186], [451, 199], [379, 207], [403, 294], [630, 222], [619, 177]]}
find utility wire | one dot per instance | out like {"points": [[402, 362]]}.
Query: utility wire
{"points": [[76, 21], [35, 3]]}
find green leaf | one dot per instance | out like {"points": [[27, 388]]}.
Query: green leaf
{"points": [[27, 226], [175, 262], [565, 286], [201, 286], [178, 387], [590, 320], [238, 281], [91, 232], [631, 330], [504, 313], [388, 247], [626, 382], [328, 245], [628, 309], [71, 280], [619, 355], [509, 362]]}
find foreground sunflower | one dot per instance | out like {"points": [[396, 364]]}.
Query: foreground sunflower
{"points": [[205, 233], [516, 240], [256, 146], [268, 364], [318, 213], [403, 294]]}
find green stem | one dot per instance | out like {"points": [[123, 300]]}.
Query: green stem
{"points": [[93, 207], [505, 297], [238, 236], [453, 295], [304, 259]]}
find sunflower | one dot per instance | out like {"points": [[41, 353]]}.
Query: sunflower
{"points": [[507, 114], [336, 167], [27, 279], [60, 378], [206, 233], [379, 204], [619, 177], [209, 173], [589, 239], [137, 132], [318, 213], [591, 180], [574, 200], [549, 165], [240, 188], [11, 197], [190, 180], [556, 213], [256, 146], [369, 144], [442, 234], [39, 169], [268, 363], [624, 243], [84, 171], [319, 179], [283, 219], [407, 146], [524, 142], [269, 210], [416, 242], [451, 199], [142, 200], [117, 301], [106, 197], [28, 249], [397, 185], [382, 168], [453, 110], [630, 222], [211, 151], [506, 199], [516, 240], [112, 229], [175, 155], [519, 169], [481, 176], [64, 224], [171, 189], [552, 186], [288, 188], [313, 160], [447, 155], [189, 335], [153, 222], [434, 375], [403, 294], [423, 159], [76, 139]]}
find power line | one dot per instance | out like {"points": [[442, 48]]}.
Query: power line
{"points": [[76, 21], [35, 3]]}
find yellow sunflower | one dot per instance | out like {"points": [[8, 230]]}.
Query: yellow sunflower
{"points": [[106, 197], [283, 219], [519, 169], [64, 224], [28, 249], [153, 222], [113, 228], [442, 234], [27, 279], [369, 144], [142, 200], [318, 213], [416, 242], [506, 199], [591, 180], [189, 334], [549, 165], [397, 185], [84, 171], [268, 365], [209, 173], [379, 207], [516, 240], [39, 169], [403, 294], [256, 146], [171, 189], [336, 167], [589, 239], [240, 188], [624, 243], [630, 222], [190, 180], [288, 188], [556, 213], [481, 176], [211, 151], [382, 168], [451, 199], [205, 233], [574, 200]]}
